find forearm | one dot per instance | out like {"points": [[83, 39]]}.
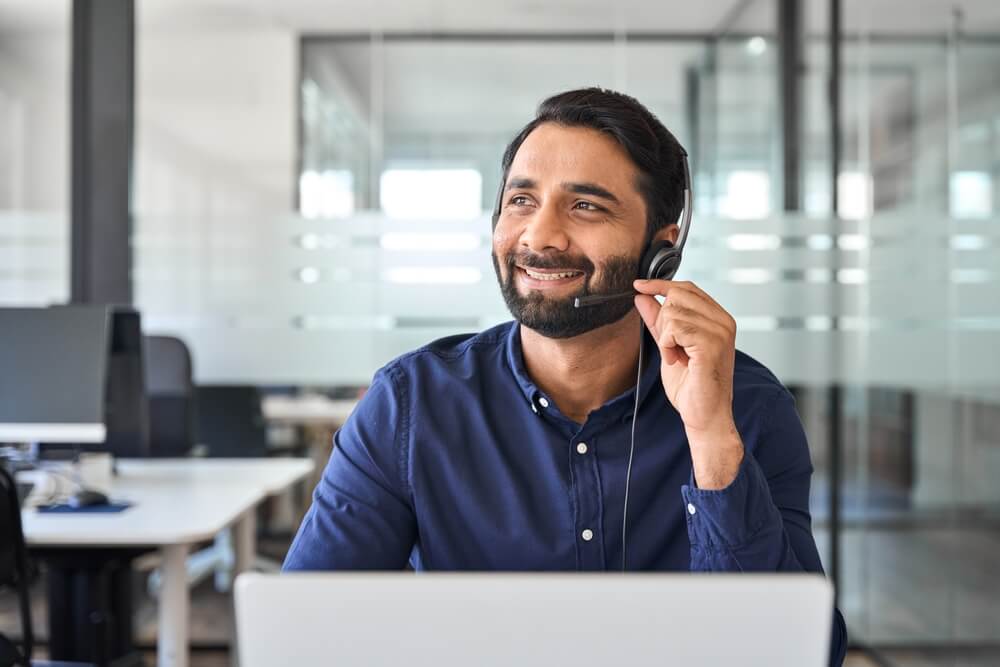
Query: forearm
{"points": [[738, 528]]}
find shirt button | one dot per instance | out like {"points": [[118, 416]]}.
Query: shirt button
{"points": [[691, 509], [587, 535], [582, 448], [533, 408], [544, 402]]}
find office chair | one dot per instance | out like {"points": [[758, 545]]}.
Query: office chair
{"points": [[15, 573], [171, 397], [230, 421], [14, 570]]}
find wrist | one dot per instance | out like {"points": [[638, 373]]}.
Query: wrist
{"points": [[716, 456], [720, 434]]}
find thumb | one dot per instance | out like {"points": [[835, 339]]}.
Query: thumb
{"points": [[648, 308]]}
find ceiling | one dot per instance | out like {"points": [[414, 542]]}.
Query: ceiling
{"points": [[332, 16]]}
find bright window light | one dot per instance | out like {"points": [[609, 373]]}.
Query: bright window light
{"points": [[819, 242], [429, 242], [852, 276], [326, 194], [969, 242], [309, 275], [852, 242], [971, 194], [748, 195], [444, 194], [434, 275], [756, 45], [854, 195], [749, 276], [753, 242]]}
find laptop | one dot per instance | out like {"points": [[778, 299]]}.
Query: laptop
{"points": [[534, 620]]}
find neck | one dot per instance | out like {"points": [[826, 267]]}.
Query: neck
{"points": [[584, 372]]}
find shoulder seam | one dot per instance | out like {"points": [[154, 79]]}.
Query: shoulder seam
{"points": [[462, 348], [400, 386]]}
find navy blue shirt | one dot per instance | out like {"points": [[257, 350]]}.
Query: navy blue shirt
{"points": [[455, 460]]}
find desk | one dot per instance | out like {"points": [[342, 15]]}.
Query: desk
{"points": [[178, 503], [307, 409], [316, 415]]}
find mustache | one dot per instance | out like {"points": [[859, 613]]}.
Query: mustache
{"points": [[550, 261]]}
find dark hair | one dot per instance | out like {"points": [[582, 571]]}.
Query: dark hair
{"points": [[653, 149]]}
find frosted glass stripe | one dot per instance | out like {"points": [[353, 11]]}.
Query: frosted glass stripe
{"points": [[329, 301]]}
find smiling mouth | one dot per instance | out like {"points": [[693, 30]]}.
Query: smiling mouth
{"points": [[550, 275]]}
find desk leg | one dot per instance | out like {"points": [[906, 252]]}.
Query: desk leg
{"points": [[175, 602], [245, 546], [245, 538]]}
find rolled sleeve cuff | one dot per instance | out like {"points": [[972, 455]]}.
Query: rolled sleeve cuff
{"points": [[732, 516]]}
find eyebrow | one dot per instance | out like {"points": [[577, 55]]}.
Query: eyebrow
{"points": [[591, 189]]}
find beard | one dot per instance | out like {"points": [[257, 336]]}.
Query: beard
{"points": [[557, 317]]}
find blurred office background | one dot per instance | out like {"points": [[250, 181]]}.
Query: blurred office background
{"points": [[311, 185]]}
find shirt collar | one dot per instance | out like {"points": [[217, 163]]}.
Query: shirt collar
{"points": [[618, 407]]}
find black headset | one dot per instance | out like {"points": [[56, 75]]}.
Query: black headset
{"points": [[661, 259]]}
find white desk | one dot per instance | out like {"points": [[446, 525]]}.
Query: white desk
{"points": [[307, 409], [177, 503]]}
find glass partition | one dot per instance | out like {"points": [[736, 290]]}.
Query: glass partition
{"points": [[34, 157], [307, 241]]}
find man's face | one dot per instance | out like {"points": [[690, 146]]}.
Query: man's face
{"points": [[571, 223]]}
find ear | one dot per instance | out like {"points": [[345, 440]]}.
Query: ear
{"points": [[668, 233]]}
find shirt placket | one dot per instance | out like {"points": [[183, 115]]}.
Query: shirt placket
{"points": [[587, 489]]}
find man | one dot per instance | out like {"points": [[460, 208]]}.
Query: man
{"points": [[509, 449]]}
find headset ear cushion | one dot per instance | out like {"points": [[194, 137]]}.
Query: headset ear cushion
{"points": [[653, 259]]}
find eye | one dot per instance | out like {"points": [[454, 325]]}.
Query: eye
{"points": [[590, 206], [518, 200]]}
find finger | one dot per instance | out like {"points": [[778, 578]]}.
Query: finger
{"points": [[687, 304], [678, 333], [687, 338], [692, 288], [658, 319], [691, 296], [672, 355], [671, 289], [670, 348], [672, 311], [649, 311], [660, 287]]}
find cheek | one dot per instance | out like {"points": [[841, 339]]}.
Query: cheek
{"points": [[504, 238]]}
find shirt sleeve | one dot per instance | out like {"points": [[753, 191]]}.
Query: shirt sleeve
{"points": [[761, 521], [361, 515]]}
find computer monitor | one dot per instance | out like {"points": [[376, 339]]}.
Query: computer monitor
{"points": [[54, 362], [73, 375], [533, 619]]}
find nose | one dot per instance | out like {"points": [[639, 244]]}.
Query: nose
{"points": [[544, 231]]}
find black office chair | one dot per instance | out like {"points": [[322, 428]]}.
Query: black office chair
{"points": [[171, 396], [14, 570], [231, 424], [230, 421]]}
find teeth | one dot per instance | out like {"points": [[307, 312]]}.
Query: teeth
{"points": [[550, 276]]}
